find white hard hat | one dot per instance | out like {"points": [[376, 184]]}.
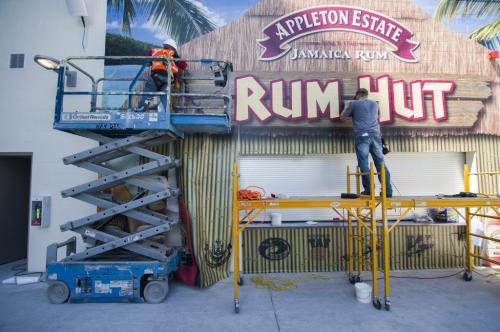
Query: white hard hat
{"points": [[170, 42]]}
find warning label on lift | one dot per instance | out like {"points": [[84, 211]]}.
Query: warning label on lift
{"points": [[132, 116], [126, 286], [101, 288], [121, 283], [85, 117]]}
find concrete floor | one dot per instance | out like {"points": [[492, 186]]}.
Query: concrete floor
{"points": [[447, 304]]}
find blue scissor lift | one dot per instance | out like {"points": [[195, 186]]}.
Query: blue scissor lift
{"points": [[120, 264]]}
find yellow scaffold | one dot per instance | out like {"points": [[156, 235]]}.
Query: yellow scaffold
{"points": [[363, 209]]}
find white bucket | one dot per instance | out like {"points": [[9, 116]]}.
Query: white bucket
{"points": [[363, 292], [276, 219]]}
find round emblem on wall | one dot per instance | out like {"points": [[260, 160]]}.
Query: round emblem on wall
{"points": [[274, 248]]}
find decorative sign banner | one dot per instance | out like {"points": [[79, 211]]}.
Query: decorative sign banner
{"points": [[312, 99], [281, 32]]}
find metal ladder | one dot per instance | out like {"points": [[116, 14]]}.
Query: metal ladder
{"points": [[142, 177]]}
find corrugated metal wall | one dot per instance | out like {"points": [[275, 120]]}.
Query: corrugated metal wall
{"points": [[206, 177], [324, 249]]}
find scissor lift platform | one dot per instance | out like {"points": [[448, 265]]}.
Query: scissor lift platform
{"points": [[142, 272]]}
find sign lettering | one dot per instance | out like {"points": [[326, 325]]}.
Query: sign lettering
{"points": [[281, 32], [311, 99]]}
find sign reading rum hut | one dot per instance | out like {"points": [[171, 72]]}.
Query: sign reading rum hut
{"points": [[311, 99]]}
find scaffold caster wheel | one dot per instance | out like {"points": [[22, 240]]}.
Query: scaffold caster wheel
{"points": [[236, 307], [240, 281], [467, 276], [387, 305], [377, 304]]}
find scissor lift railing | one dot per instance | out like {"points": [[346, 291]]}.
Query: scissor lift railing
{"points": [[187, 116], [122, 132]]}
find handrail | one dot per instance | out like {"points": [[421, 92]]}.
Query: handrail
{"points": [[115, 79], [115, 93], [131, 86], [93, 99], [94, 91]]}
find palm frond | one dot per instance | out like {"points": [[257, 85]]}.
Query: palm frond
{"points": [[488, 35], [127, 10], [183, 20], [478, 8]]}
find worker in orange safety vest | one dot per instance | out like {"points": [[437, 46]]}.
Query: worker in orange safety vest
{"points": [[158, 79]]}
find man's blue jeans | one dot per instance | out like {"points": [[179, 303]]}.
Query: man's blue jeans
{"points": [[366, 144]]}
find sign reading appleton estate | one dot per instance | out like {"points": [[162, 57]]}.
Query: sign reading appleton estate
{"points": [[312, 99], [327, 18]]}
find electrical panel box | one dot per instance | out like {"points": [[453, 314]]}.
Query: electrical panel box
{"points": [[40, 211]]}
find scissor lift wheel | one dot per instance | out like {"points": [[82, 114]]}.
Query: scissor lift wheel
{"points": [[58, 292], [156, 291]]}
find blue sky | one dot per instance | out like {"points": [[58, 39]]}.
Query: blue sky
{"points": [[225, 11]]}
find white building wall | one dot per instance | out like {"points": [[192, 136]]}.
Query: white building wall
{"points": [[27, 98]]}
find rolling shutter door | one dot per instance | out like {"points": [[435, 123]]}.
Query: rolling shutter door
{"points": [[313, 175]]}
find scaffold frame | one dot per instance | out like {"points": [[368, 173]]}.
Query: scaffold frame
{"points": [[355, 210]]}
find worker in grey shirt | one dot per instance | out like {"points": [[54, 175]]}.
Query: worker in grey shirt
{"points": [[368, 140]]}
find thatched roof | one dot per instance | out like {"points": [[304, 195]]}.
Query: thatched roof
{"points": [[441, 50]]}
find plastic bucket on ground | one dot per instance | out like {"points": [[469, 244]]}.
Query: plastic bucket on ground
{"points": [[363, 292], [276, 219]]}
